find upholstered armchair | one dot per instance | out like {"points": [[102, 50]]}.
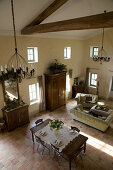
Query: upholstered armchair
{"points": [[87, 100]]}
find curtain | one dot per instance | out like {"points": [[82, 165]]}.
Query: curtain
{"points": [[110, 95], [41, 94], [87, 80]]}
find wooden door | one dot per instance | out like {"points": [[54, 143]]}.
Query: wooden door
{"points": [[62, 90]]}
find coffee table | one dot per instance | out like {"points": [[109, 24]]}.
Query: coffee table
{"points": [[100, 112]]}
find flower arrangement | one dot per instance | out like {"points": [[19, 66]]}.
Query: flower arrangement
{"points": [[56, 124]]}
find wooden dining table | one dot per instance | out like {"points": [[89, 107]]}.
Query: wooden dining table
{"points": [[72, 148]]}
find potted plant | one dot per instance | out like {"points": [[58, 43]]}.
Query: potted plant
{"points": [[56, 125], [56, 67]]}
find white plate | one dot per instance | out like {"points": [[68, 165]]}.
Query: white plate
{"points": [[58, 143], [43, 133], [73, 132]]}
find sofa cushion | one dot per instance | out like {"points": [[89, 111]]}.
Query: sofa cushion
{"points": [[79, 107]]}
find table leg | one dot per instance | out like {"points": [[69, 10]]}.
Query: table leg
{"points": [[84, 147], [70, 164], [32, 137]]}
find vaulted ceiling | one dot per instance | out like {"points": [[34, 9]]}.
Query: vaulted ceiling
{"points": [[27, 10]]}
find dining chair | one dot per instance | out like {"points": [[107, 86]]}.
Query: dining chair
{"points": [[57, 153], [39, 121], [42, 143], [75, 128]]}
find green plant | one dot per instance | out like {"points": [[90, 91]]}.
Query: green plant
{"points": [[56, 67], [12, 104], [81, 83], [56, 124]]}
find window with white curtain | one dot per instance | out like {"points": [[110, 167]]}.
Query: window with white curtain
{"points": [[67, 52], [67, 83], [34, 93], [32, 54]]}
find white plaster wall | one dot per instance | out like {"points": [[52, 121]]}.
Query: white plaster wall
{"points": [[49, 49], [104, 70]]}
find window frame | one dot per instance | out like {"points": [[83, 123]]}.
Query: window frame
{"points": [[95, 51], [31, 48], [92, 51], [90, 80], [66, 56], [35, 54], [36, 92]]}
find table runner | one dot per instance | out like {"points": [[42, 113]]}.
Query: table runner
{"points": [[63, 135]]}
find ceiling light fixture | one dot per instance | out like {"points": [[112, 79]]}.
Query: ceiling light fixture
{"points": [[102, 55], [17, 66]]}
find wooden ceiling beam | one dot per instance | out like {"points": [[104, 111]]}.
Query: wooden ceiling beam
{"points": [[48, 11], [89, 22]]}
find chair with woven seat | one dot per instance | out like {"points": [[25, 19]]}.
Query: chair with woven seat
{"points": [[42, 143], [75, 128], [39, 121], [56, 152]]}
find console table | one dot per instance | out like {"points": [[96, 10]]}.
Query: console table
{"points": [[77, 89], [16, 117]]}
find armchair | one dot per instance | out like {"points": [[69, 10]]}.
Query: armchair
{"points": [[87, 100]]}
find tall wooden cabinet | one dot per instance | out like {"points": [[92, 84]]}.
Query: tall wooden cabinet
{"points": [[55, 90]]}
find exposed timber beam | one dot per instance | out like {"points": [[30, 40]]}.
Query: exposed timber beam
{"points": [[48, 11], [104, 20]]}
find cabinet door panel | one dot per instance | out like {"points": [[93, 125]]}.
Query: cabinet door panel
{"points": [[62, 90], [23, 116], [12, 120], [55, 101]]}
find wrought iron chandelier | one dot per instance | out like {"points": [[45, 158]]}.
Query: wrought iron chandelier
{"points": [[102, 55], [17, 66]]}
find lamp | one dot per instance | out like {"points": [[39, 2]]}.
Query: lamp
{"points": [[17, 66], [102, 55]]}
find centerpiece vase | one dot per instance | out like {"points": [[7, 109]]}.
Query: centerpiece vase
{"points": [[56, 132]]}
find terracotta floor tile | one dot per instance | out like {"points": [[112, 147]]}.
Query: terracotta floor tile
{"points": [[17, 151]]}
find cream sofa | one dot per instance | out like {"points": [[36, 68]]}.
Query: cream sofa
{"points": [[97, 122], [81, 99]]}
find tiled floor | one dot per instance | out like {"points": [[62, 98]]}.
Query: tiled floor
{"points": [[17, 151]]}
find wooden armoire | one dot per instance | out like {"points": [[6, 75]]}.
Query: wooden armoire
{"points": [[55, 90]]}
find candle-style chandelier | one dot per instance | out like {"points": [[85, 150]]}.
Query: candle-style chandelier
{"points": [[102, 55], [17, 66]]}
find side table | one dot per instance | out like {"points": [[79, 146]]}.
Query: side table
{"points": [[77, 89]]}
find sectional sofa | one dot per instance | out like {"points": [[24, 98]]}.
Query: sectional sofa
{"points": [[100, 122]]}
